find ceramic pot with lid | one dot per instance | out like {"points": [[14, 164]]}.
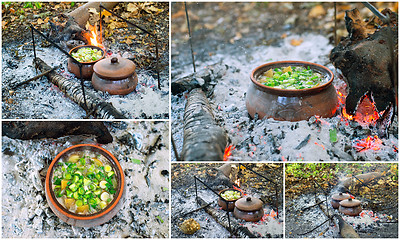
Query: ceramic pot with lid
{"points": [[351, 207], [291, 104], [337, 198], [231, 203], [87, 67], [115, 75], [249, 209]]}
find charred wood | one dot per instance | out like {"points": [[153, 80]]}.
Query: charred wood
{"points": [[203, 139], [221, 218], [73, 90], [50, 129], [346, 231], [81, 14], [205, 79], [365, 178], [368, 59]]}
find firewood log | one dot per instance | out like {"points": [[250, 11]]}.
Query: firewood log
{"points": [[203, 139], [81, 14], [54, 129], [346, 231], [368, 60], [73, 90]]}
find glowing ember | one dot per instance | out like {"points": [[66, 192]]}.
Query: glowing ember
{"points": [[373, 143], [228, 152], [240, 190], [93, 36], [323, 147]]}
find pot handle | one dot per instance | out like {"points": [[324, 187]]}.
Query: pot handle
{"points": [[114, 60]]}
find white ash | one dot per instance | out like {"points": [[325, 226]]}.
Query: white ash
{"points": [[144, 213], [267, 139], [41, 99]]}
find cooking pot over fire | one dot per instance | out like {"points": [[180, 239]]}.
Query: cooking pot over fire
{"points": [[249, 209], [337, 198], [115, 75], [351, 207]]}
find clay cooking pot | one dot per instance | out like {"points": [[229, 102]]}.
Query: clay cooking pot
{"points": [[87, 67], [115, 75], [337, 198], [231, 203], [291, 104], [249, 209], [351, 207], [89, 220]]}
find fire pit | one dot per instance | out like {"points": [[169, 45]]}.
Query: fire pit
{"points": [[291, 104]]}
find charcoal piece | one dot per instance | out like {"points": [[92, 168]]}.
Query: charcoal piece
{"points": [[368, 60], [203, 139], [37, 130]]}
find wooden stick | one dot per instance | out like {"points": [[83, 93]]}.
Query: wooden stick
{"points": [[34, 78]]}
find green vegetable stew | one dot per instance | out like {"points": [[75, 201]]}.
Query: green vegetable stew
{"points": [[84, 182], [231, 195], [292, 78], [87, 54]]}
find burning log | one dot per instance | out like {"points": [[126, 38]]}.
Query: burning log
{"points": [[203, 139], [365, 178], [54, 129], [368, 60], [205, 79], [221, 218], [346, 231], [73, 90]]}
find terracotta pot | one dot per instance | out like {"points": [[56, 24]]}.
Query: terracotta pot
{"points": [[337, 198], [89, 220], [351, 207], [231, 204], [249, 209], [87, 67], [289, 104], [115, 75]]}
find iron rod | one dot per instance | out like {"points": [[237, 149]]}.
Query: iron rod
{"points": [[190, 38], [83, 88], [174, 148], [375, 11], [251, 170], [34, 46], [195, 185], [335, 26]]}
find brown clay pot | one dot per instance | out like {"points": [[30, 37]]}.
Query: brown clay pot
{"points": [[289, 104], [249, 209], [115, 75], [89, 220], [337, 198], [87, 67], [351, 207], [231, 204]]}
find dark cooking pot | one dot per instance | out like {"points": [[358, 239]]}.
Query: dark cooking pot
{"points": [[231, 203], [115, 75], [337, 198], [87, 67], [249, 209], [289, 104], [350, 207]]}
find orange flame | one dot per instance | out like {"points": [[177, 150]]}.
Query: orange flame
{"points": [[373, 143], [92, 36], [228, 152], [237, 182], [240, 190]]}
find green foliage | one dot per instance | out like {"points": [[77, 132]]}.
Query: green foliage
{"points": [[315, 170], [333, 135], [38, 5], [72, 4]]}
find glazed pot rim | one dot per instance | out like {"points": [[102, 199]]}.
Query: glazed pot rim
{"points": [[228, 189], [278, 91], [63, 210], [90, 46]]}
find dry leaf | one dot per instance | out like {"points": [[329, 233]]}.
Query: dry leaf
{"points": [[105, 13], [317, 12], [295, 42], [93, 10], [40, 21], [131, 8], [3, 24]]}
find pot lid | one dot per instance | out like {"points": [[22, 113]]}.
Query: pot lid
{"points": [[249, 204], [350, 203], [340, 196], [115, 68]]}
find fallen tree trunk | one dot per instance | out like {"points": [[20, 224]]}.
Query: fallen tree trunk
{"points": [[365, 178], [73, 90], [368, 60], [205, 79], [221, 218], [203, 139], [54, 129]]}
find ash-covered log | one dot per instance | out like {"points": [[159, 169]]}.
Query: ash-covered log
{"points": [[73, 90], [203, 139], [26, 130], [221, 217], [368, 59]]}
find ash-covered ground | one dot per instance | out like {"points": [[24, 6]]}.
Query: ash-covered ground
{"points": [[256, 36], [145, 210], [183, 200]]}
